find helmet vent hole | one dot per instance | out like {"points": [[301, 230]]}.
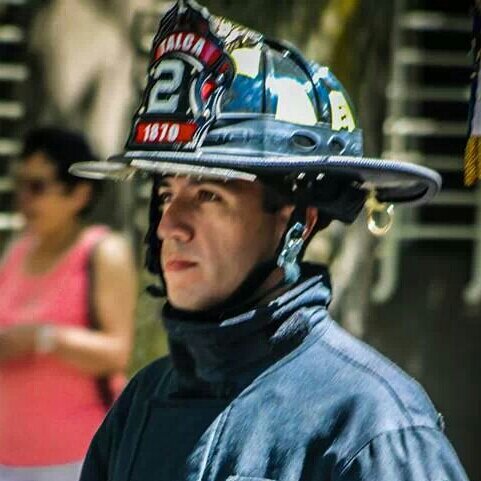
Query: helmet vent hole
{"points": [[336, 145], [304, 142]]}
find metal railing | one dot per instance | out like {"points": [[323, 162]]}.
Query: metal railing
{"points": [[430, 77]]}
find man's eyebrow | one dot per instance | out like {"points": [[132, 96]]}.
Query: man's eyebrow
{"points": [[163, 183]]}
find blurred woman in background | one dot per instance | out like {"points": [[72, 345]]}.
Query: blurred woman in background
{"points": [[67, 299]]}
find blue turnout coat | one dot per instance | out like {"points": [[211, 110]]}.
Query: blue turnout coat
{"points": [[278, 392]]}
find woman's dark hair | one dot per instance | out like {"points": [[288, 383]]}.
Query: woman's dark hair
{"points": [[63, 148]]}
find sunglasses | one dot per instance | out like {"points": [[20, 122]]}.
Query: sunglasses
{"points": [[34, 186]]}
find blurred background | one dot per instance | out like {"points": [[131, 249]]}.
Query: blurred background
{"points": [[416, 293]]}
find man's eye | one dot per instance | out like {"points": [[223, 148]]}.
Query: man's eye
{"points": [[207, 196], [164, 198]]}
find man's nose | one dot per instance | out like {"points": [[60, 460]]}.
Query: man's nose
{"points": [[175, 223]]}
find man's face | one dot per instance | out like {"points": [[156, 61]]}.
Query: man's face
{"points": [[213, 234]]}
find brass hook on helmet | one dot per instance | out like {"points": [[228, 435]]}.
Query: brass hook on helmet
{"points": [[375, 211]]}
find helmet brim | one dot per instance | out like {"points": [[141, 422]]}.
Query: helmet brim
{"points": [[392, 181]]}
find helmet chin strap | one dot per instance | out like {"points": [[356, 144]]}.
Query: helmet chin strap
{"points": [[287, 259]]}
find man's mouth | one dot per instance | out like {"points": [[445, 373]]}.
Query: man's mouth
{"points": [[176, 265]]}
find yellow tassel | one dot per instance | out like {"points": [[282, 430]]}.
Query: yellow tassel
{"points": [[472, 161]]}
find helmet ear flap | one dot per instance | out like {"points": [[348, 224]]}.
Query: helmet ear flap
{"points": [[152, 253], [344, 204]]}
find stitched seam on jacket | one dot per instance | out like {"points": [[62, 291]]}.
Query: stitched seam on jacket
{"points": [[351, 459], [291, 356], [396, 368], [374, 374]]}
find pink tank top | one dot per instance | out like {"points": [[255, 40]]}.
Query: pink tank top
{"points": [[49, 410]]}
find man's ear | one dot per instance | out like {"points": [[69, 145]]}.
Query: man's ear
{"points": [[311, 221], [284, 214]]}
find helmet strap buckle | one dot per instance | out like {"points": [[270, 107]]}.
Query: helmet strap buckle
{"points": [[287, 259]]}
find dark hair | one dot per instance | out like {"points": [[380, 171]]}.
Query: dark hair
{"points": [[278, 193], [63, 148]]}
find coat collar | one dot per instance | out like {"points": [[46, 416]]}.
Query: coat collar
{"points": [[219, 357]]}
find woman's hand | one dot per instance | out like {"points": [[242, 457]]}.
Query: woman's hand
{"points": [[18, 341]]}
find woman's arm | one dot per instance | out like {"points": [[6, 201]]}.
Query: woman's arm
{"points": [[94, 352], [114, 297]]}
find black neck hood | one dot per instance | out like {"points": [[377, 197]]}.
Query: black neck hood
{"points": [[218, 356]]}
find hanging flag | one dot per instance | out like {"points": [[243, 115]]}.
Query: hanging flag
{"points": [[472, 156]]}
